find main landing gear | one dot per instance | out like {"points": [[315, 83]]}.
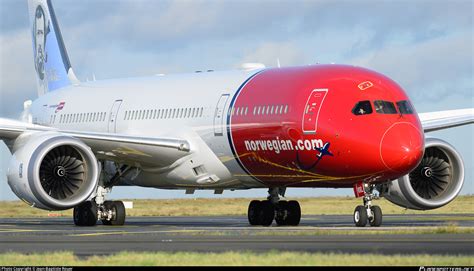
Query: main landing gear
{"points": [[285, 213], [367, 212], [109, 212], [89, 212]]}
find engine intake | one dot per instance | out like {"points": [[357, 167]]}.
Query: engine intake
{"points": [[52, 171], [436, 181]]}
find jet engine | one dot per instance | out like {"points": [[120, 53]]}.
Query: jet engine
{"points": [[52, 171], [434, 183]]}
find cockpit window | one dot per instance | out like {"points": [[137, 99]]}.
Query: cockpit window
{"points": [[362, 108], [405, 107], [385, 107]]}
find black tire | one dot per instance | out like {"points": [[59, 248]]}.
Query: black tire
{"points": [[107, 206], [253, 212], [85, 214], [360, 216], [281, 216], [119, 210], [267, 213], [294, 213], [376, 220]]}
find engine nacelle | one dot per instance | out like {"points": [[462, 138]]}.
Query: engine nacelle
{"points": [[52, 171], [434, 183]]}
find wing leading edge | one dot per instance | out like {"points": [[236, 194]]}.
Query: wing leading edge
{"points": [[434, 121], [156, 151]]}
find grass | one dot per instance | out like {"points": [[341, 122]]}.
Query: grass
{"points": [[272, 258], [448, 229], [238, 206]]}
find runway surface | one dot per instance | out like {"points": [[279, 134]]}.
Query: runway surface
{"points": [[229, 233]]}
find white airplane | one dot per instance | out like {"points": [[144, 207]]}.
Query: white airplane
{"points": [[275, 128]]}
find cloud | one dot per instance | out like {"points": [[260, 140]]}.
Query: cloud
{"points": [[287, 52], [429, 69], [17, 76]]}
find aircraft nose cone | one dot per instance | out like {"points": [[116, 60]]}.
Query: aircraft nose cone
{"points": [[401, 147]]}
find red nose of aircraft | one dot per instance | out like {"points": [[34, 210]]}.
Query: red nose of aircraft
{"points": [[401, 147]]}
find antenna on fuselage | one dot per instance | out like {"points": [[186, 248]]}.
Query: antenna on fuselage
{"points": [[278, 63]]}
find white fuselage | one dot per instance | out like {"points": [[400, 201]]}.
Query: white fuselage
{"points": [[170, 105]]}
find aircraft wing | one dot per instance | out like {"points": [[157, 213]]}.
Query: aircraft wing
{"points": [[140, 151], [434, 121]]}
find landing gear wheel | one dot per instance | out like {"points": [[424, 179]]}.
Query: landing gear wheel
{"points": [[107, 206], [118, 213], [85, 214], [294, 213], [376, 219], [267, 213], [281, 217], [360, 216], [254, 211]]}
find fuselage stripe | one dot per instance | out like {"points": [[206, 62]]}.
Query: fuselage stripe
{"points": [[229, 136]]}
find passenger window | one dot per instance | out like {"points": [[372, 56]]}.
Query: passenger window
{"points": [[362, 108], [385, 107], [286, 109], [404, 107]]}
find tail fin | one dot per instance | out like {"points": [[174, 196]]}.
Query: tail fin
{"points": [[53, 69]]}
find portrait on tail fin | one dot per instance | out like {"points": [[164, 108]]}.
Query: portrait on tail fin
{"points": [[40, 32]]}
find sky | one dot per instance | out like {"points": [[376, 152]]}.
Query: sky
{"points": [[425, 46]]}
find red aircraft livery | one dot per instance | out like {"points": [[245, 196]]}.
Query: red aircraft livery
{"points": [[308, 108]]}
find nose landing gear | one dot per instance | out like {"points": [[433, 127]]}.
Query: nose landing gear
{"points": [[367, 212]]}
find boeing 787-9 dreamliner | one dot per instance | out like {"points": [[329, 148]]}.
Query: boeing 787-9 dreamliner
{"points": [[332, 125]]}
